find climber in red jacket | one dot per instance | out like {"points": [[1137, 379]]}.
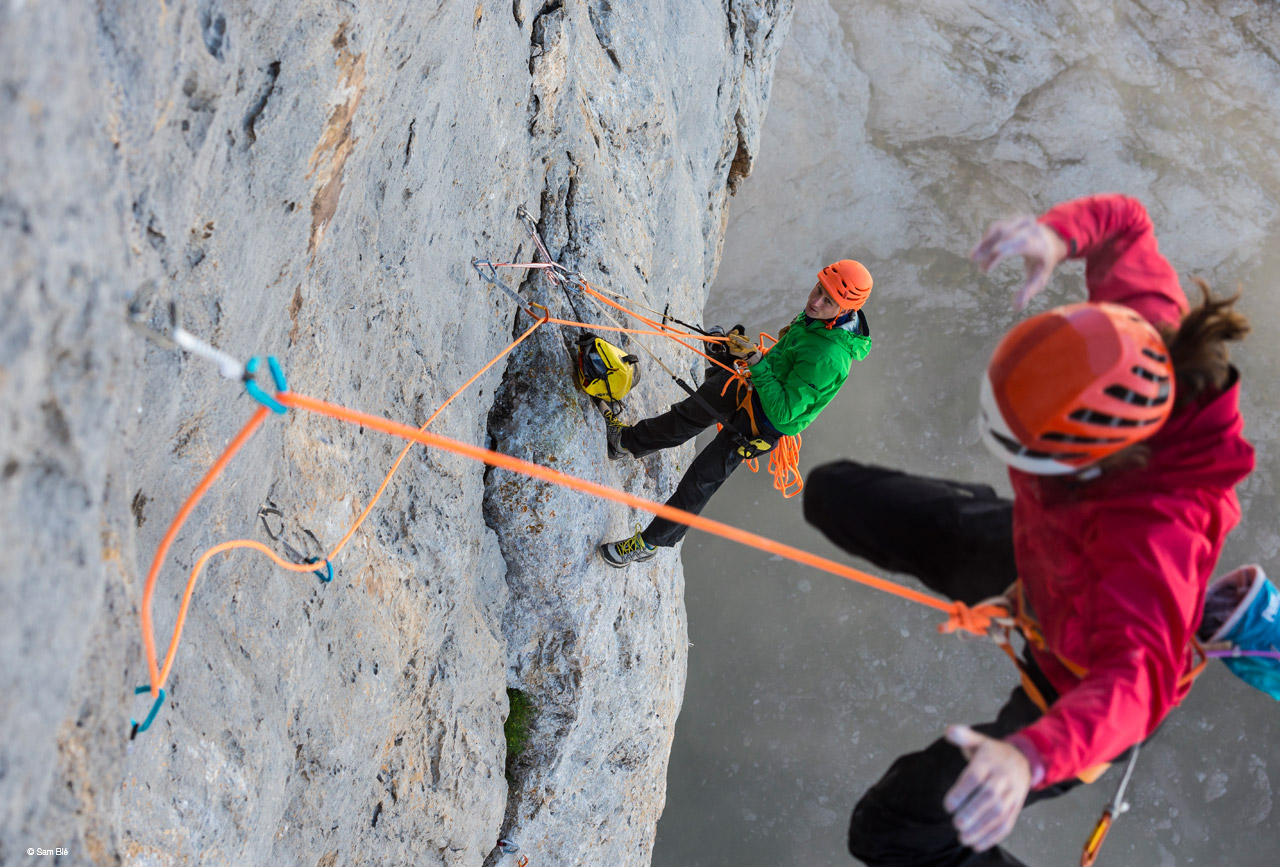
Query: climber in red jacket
{"points": [[1119, 418]]}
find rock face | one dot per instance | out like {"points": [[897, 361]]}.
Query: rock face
{"points": [[310, 181]]}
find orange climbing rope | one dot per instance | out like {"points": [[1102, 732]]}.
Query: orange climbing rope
{"points": [[160, 675], [960, 617], [974, 619], [148, 589], [783, 464]]}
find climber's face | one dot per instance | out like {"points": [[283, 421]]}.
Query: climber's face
{"points": [[820, 305]]}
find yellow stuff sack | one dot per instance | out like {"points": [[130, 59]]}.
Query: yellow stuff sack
{"points": [[603, 369]]}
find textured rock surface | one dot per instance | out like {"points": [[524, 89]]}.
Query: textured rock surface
{"points": [[310, 180]]}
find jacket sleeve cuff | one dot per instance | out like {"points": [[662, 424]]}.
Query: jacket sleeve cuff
{"points": [[1032, 755], [1063, 231]]}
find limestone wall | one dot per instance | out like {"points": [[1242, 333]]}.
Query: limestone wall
{"points": [[310, 180]]}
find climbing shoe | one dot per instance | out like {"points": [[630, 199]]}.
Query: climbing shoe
{"points": [[627, 551], [613, 428]]}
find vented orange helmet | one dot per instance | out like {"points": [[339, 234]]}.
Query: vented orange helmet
{"points": [[1066, 388], [847, 282]]}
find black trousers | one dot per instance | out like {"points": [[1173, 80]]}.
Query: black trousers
{"points": [[957, 538], [712, 466]]}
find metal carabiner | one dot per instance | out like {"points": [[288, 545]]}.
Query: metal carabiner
{"points": [[492, 276], [325, 574], [137, 317]]}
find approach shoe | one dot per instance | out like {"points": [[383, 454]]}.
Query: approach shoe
{"points": [[613, 428], [624, 552]]}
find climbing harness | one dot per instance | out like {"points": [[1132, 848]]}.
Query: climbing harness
{"points": [[1018, 616]]}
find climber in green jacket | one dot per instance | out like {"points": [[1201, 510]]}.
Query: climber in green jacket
{"points": [[790, 386]]}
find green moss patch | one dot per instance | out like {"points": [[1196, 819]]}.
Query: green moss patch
{"points": [[519, 721]]}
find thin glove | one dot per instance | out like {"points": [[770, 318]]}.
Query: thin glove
{"points": [[740, 347], [1040, 247], [985, 801]]}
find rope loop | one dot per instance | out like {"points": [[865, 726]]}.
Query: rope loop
{"points": [[139, 728], [255, 390]]}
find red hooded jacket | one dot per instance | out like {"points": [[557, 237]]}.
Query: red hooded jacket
{"points": [[1115, 569]]}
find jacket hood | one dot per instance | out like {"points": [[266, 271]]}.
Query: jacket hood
{"points": [[1202, 445]]}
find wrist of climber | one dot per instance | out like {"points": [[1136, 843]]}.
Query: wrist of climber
{"points": [[1029, 751]]}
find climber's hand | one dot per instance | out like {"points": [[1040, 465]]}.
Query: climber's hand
{"points": [[1040, 247], [985, 801], [740, 347]]}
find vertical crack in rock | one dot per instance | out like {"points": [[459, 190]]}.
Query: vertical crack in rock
{"points": [[260, 104], [336, 142], [599, 16], [544, 656], [408, 144], [743, 159]]}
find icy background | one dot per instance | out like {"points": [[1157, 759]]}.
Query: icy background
{"points": [[896, 133]]}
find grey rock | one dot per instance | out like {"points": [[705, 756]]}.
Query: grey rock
{"points": [[311, 181]]}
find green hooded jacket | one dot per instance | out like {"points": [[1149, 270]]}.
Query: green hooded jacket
{"points": [[803, 372]]}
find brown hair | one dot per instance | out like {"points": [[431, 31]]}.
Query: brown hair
{"points": [[1198, 348], [1201, 362]]}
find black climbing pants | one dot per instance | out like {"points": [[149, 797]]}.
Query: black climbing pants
{"points": [[712, 466], [957, 538]]}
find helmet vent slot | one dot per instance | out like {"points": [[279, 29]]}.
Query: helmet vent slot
{"points": [[1055, 437], [1021, 451], [1131, 397]]}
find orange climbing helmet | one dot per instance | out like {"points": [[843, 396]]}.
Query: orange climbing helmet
{"points": [[1066, 388], [848, 283]]}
